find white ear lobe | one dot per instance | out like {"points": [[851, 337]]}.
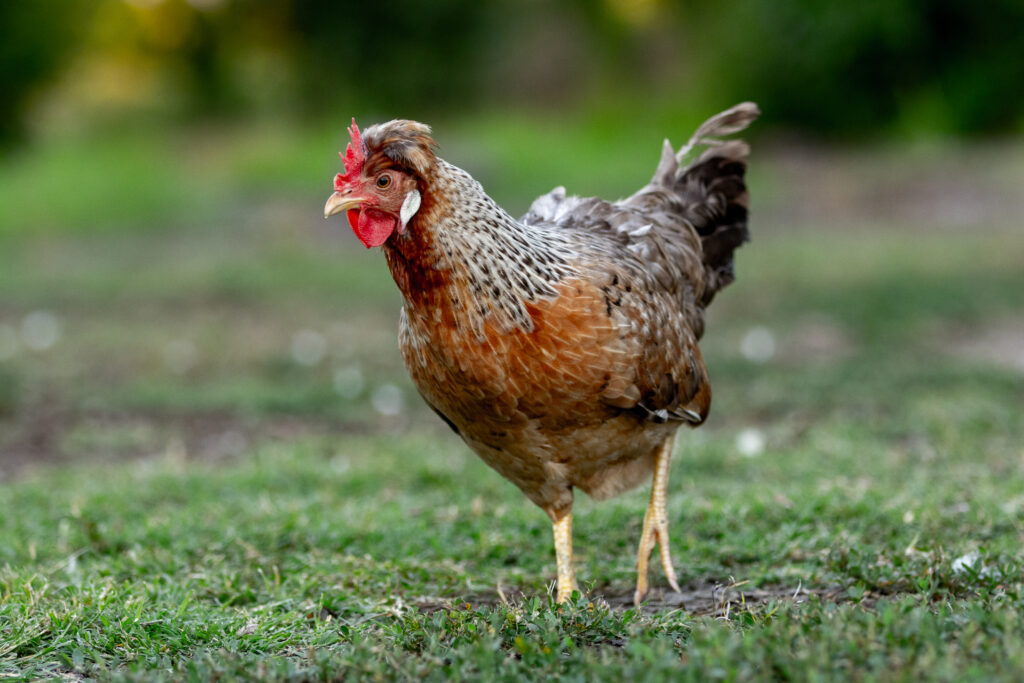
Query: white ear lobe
{"points": [[409, 207]]}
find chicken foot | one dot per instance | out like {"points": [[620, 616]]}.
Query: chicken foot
{"points": [[563, 556], [656, 524]]}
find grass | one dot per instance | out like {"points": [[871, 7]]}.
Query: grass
{"points": [[191, 496]]}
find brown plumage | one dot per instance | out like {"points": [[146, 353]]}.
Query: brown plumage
{"points": [[561, 347]]}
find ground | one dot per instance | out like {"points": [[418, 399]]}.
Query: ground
{"points": [[214, 466]]}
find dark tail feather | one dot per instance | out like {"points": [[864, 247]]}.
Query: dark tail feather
{"points": [[714, 194], [716, 201]]}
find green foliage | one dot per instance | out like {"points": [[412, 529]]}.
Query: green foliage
{"points": [[38, 37], [909, 67], [931, 66], [396, 55]]}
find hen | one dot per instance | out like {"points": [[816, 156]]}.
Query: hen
{"points": [[562, 347]]}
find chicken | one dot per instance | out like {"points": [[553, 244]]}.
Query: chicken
{"points": [[561, 347]]}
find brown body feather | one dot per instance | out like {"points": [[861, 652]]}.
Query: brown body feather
{"points": [[563, 347]]}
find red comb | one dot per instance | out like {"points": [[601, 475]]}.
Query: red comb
{"points": [[353, 158]]}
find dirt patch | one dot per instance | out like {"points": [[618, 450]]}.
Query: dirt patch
{"points": [[48, 434], [1000, 343], [821, 188], [717, 599], [709, 598]]}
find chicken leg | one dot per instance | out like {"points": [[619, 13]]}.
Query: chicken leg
{"points": [[563, 556], [656, 524]]}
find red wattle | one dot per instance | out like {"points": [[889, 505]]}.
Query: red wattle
{"points": [[372, 227]]}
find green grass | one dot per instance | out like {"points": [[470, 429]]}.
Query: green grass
{"points": [[318, 557], [229, 512]]}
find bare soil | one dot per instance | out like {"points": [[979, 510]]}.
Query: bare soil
{"points": [[706, 598]]}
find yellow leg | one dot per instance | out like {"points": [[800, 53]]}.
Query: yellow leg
{"points": [[656, 524], [563, 555]]}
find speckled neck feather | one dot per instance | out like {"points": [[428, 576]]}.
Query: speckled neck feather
{"points": [[464, 254]]}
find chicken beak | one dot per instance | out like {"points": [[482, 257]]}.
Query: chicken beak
{"points": [[339, 202]]}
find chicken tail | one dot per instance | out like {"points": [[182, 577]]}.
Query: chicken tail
{"points": [[712, 192]]}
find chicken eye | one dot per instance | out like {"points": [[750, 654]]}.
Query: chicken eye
{"points": [[384, 181]]}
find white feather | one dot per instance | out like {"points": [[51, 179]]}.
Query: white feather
{"points": [[409, 207]]}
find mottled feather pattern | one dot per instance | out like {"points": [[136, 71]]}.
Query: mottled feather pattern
{"points": [[402, 142], [493, 266], [563, 346]]}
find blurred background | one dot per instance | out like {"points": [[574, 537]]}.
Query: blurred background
{"points": [[169, 288]]}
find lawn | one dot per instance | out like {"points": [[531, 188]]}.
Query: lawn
{"points": [[214, 465]]}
